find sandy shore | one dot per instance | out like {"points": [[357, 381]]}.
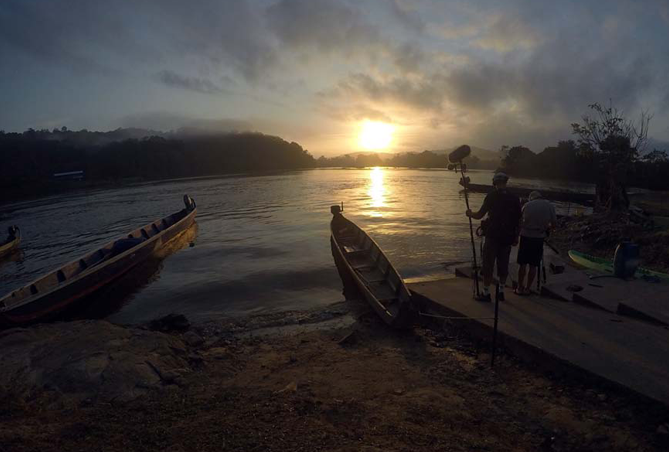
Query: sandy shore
{"points": [[333, 379]]}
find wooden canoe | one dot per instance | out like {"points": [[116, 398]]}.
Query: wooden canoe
{"points": [[364, 262], [10, 245], [606, 265], [53, 293]]}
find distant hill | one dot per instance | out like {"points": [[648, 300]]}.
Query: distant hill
{"points": [[30, 159], [381, 155], [480, 153], [483, 154], [89, 139]]}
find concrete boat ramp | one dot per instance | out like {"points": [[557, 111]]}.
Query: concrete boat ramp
{"points": [[560, 331]]}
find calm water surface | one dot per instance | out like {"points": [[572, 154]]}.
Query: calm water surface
{"points": [[261, 242]]}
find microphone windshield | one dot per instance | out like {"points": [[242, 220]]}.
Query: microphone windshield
{"points": [[459, 154]]}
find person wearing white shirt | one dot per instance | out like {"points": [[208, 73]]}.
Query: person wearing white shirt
{"points": [[537, 220]]}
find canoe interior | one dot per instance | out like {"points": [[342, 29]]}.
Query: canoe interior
{"points": [[377, 278], [91, 261], [6, 247]]}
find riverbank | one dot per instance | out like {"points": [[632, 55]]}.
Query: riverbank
{"points": [[599, 234], [326, 379]]}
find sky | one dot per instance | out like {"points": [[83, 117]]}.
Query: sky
{"points": [[441, 72]]}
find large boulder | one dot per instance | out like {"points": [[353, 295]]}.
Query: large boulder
{"points": [[89, 360]]}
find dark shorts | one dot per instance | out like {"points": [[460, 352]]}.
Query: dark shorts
{"points": [[530, 251], [493, 252]]}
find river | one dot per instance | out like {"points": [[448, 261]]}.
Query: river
{"points": [[261, 242]]}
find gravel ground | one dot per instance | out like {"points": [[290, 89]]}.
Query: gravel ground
{"points": [[337, 380]]}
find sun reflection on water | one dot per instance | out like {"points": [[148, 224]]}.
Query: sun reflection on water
{"points": [[376, 192]]}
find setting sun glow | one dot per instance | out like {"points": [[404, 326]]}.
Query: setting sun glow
{"points": [[376, 135], [376, 192]]}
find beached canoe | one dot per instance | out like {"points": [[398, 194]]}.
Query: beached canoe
{"points": [[606, 265], [375, 277], [8, 246], [62, 288]]}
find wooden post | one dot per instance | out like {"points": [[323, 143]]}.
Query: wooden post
{"points": [[494, 331]]}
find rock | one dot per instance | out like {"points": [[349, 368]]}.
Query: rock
{"points": [[663, 430], [171, 322], [193, 339], [218, 353], [290, 387], [602, 397], [398, 391], [88, 360], [349, 339]]}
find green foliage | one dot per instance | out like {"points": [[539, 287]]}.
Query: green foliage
{"points": [[519, 158], [615, 143], [609, 133]]}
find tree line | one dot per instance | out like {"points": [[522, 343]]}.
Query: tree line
{"points": [[571, 161], [608, 150], [30, 159], [425, 159]]}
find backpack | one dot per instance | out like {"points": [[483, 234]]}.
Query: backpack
{"points": [[504, 218]]}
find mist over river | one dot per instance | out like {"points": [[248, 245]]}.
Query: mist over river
{"points": [[261, 242]]}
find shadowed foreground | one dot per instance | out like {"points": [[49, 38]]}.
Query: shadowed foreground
{"points": [[317, 384]]}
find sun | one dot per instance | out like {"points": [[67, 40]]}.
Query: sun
{"points": [[376, 135]]}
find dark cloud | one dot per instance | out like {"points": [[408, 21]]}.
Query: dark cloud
{"points": [[531, 88], [325, 25], [518, 68], [407, 17], [200, 85], [83, 35], [164, 121], [504, 34], [423, 94], [356, 112], [241, 38], [409, 57], [221, 34], [328, 27], [51, 32]]}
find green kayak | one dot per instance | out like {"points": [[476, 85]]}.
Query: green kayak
{"points": [[606, 265]]}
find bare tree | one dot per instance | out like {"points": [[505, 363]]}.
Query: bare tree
{"points": [[616, 143]]}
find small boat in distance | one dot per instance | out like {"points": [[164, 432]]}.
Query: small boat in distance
{"points": [[12, 242], [361, 258], [62, 288]]}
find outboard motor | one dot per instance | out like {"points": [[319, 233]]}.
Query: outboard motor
{"points": [[12, 233], [189, 202]]}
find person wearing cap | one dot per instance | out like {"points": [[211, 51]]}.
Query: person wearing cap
{"points": [[538, 217], [501, 233]]}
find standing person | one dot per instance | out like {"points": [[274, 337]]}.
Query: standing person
{"points": [[501, 232], [538, 219]]}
